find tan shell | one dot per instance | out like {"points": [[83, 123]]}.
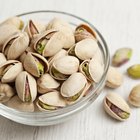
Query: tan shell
{"points": [[6, 92], [17, 104], [20, 85], [64, 27], [6, 30], [134, 96], [16, 21], [9, 70], [114, 78], [31, 66], [13, 50], [52, 99], [73, 85], [2, 58], [46, 83], [119, 102], [34, 27], [54, 43]]}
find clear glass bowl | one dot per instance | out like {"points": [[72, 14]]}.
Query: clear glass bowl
{"points": [[61, 115]]}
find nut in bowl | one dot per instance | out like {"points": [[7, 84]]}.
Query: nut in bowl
{"points": [[48, 77]]}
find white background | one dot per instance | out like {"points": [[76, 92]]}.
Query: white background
{"points": [[119, 22]]}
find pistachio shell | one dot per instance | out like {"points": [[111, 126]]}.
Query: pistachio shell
{"points": [[50, 101], [114, 78], [26, 87], [35, 64], [15, 45], [9, 70], [17, 104], [74, 85], [134, 71], [2, 58], [134, 96], [6, 92], [16, 21], [46, 83], [121, 56], [116, 107]]}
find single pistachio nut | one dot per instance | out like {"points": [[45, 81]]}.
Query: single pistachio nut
{"points": [[116, 106], [114, 78], [9, 70], [134, 96], [121, 56], [46, 83], [19, 105], [26, 87], [2, 58], [6, 92], [50, 101]]}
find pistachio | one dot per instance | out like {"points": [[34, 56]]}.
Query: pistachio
{"points": [[134, 96], [134, 71], [2, 58], [116, 107], [114, 78], [121, 56]]}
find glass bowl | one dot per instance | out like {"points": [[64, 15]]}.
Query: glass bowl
{"points": [[61, 115]]}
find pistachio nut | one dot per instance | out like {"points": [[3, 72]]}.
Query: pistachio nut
{"points": [[9, 70], [84, 49], [2, 58], [72, 88], [15, 45], [92, 69], [6, 92], [17, 104], [34, 27], [116, 106], [35, 64], [114, 78], [134, 96], [63, 26], [63, 67], [26, 87], [16, 21], [134, 71], [84, 31], [50, 101], [46, 83], [49, 43], [121, 56]]}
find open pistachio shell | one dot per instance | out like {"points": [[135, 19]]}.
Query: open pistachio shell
{"points": [[16, 21], [49, 43], [73, 87], [34, 27], [6, 92], [50, 101], [17, 104], [2, 58], [46, 83], [84, 31], [26, 87], [92, 69], [84, 49], [63, 67], [116, 107], [64, 27], [114, 78], [9, 70], [35, 64], [15, 45], [134, 96]]}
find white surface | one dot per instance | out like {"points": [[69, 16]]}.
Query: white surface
{"points": [[119, 22]]}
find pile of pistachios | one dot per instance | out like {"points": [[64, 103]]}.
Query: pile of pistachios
{"points": [[47, 65]]}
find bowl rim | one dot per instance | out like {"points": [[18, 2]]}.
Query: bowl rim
{"points": [[74, 107]]}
